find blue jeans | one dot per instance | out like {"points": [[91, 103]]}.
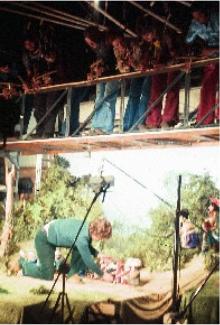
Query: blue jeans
{"points": [[137, 105], [77, 96], [106, 96]]}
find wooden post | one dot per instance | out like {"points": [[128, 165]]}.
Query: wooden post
{"points": [[176, 248], [38, 174], [7, 228]]}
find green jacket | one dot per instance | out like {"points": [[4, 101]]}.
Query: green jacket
{"points": [[62, 233]]}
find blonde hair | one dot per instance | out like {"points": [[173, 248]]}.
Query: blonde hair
{"points": [[101, 227]]}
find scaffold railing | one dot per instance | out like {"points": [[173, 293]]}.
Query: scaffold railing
{"points": [[184, 69]]}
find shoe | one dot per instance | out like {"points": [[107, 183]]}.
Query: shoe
{"points": [[46, 135], [179, 125], [168, 124], [94, 132], [99, 131], [143, 127]]}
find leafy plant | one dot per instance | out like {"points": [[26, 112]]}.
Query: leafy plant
{"points": [[154, 246], [61, 195]]}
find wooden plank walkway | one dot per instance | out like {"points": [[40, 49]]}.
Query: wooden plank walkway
{"points": [[206, 136]]}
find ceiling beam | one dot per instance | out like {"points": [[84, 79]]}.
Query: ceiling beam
{"points": [[14, 11], [65, 14], [115, 21], [151, 13]]}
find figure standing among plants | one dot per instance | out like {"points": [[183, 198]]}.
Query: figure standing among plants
{"points": [[211, 226]]}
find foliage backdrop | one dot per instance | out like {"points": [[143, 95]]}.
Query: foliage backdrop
{"points": [[63, 195]]}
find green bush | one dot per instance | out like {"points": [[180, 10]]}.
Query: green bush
{"points": [[56, 199], [211, 259], [154, 246]]}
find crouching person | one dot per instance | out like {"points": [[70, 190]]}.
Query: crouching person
{"points": [[62, 233]]}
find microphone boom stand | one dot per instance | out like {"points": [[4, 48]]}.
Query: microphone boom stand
{"points": [[103, 187]]}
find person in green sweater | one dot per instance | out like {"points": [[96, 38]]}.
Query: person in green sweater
{"points": [[62, 233]]}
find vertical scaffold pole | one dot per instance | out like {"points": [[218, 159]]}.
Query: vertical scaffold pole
{"points": [[176, 248], [122, 104], [38, 173], [67, 111], [187, 97], [22, 112]]}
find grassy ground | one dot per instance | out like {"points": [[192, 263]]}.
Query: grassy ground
{"points": [[205, 308], [20, 303], [15, 293]]}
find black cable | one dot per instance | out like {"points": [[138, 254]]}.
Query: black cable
{"points": [[139, 183]]}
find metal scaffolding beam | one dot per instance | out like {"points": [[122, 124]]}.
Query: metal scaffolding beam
{"points": [[136, 74]]}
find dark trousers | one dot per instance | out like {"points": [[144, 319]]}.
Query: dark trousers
{"points": [[27, 111], [44, 268], [77, 96], [42, 103], [9, 117]]}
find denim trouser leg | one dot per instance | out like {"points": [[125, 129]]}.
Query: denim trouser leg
{"points": [[133, 102], [77, 96], [49, 123], [144, 99], [106, 96], [97, 117], [74, 109], [44, 268]]}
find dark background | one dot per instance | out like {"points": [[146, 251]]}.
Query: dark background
{"points": [[75, 53]]}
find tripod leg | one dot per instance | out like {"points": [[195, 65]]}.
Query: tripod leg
{"points": [[55, 307], [70, 317]]}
